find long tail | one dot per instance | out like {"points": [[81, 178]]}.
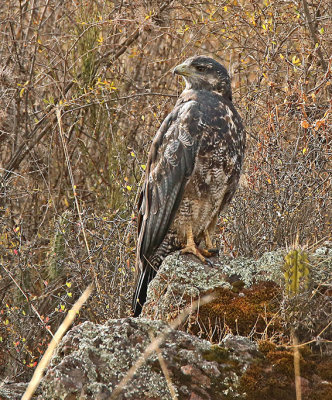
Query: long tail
{"points": [[146, 276]]}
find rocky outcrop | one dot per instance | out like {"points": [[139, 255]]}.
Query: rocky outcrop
{"points": [[250, 295], [238, 346], [92, 360], [12, 391], [249, 319]]}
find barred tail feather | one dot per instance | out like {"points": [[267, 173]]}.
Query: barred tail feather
{"points": [[146, 276]]}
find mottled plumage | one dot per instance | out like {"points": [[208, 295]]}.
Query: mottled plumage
{"points": [[192, 171]]}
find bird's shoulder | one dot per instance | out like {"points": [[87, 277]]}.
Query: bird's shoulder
{"points": [[178, 132]]}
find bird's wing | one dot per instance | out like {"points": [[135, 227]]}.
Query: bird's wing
{"points": [[171, 162]]}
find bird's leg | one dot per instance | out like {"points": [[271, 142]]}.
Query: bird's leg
{"points": [[210, 250], [208, 241], [191, 245]]}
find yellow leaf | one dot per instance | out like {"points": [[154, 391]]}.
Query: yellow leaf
{"points": [[143, 166], [128, 188], [304, 150], [21, 92], [68, 284], [69, 294], [269, 181], [296, 60]]}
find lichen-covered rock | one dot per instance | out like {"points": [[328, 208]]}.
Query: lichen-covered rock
{"points": [[250, 301], [183, 278], [249, 295], [92, 359], [12, 391]]}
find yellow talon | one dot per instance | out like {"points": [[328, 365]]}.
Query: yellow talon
{"points": [[193, 249]]}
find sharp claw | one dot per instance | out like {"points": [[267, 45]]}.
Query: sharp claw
{"points": [[209, 262], [214, 251]]}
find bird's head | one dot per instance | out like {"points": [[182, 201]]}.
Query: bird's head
{"points": [[204, 73]]}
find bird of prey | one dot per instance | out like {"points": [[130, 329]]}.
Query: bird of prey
{"points": [[192, 171]]}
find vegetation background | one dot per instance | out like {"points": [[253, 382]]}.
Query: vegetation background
{"points": [[85, 84]]}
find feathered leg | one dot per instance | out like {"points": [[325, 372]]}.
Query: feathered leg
{"points": [[191, 245], [210, 250]]}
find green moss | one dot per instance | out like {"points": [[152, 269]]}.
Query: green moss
{"points": [[266, 346], [237, 286], [216, 353]]}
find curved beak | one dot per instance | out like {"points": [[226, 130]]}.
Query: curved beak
{"points": [[182, 69]]}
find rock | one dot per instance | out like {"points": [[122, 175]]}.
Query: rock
{"points": [[250, 312], [249, 295], [12, 391], [92, 359], [183, 278]]}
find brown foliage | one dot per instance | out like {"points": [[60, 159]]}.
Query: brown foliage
{"points": [[105, 65]]}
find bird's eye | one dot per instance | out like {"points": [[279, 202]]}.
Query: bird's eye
{"points": [[200, 68]]}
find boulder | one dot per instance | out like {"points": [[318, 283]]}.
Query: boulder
{"points": [[249, 325], [12, 390], [92, 359], [251, 296], [237, 346]]}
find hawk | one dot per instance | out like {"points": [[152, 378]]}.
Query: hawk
{"points": [[192, 172]]}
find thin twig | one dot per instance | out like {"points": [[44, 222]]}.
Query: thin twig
{"points": [[157, 342], [313, 340], [27, 299], [71, 176], [313, 33], [43, 363], [164, 369], [297, 367]]}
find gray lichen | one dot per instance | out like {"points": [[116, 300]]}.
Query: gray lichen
{"points": [[92, 360]]}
